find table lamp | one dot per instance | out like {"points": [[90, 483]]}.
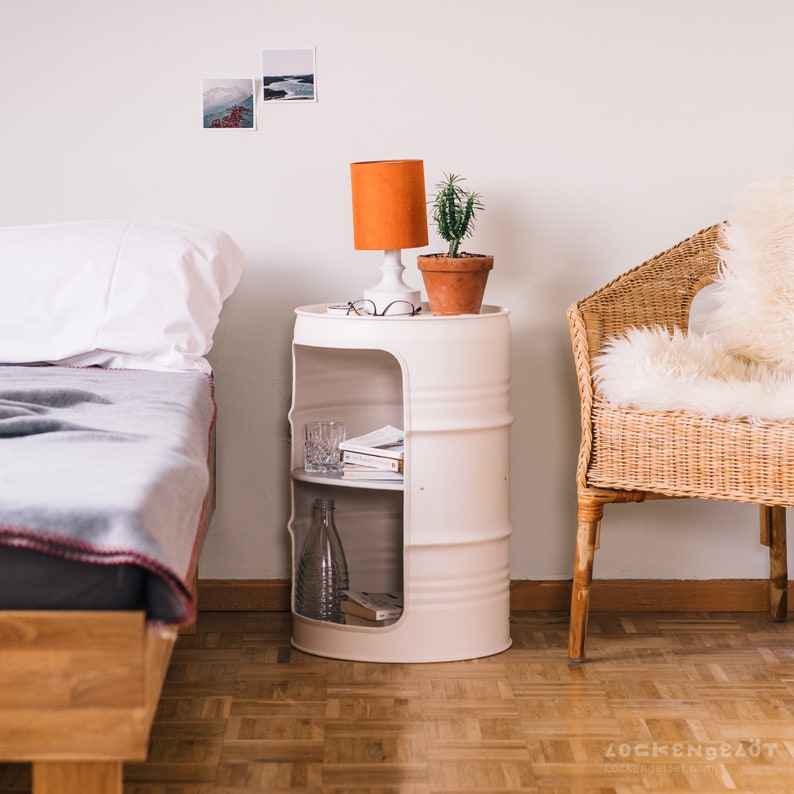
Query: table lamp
{"points": [[389, 214]]}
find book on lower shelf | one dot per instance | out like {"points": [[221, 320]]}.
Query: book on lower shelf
{"points": [[355, 620], [372, 606]]}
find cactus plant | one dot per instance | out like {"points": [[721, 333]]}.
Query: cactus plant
{"points": [[454, 211]]}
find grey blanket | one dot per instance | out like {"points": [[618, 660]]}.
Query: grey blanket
{"points": [[107, 467]]}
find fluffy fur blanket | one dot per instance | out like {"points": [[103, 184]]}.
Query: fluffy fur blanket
{"points": [[738, 360]]}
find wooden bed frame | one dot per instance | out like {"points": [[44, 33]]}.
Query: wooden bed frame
{"points": [[79, 690]]}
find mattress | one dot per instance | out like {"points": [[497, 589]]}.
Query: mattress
{"points": [[103, 486]]}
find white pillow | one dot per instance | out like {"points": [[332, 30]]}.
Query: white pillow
{"points": [[132, 293]]}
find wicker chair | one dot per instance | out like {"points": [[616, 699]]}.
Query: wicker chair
{"points": [[629, 455]]}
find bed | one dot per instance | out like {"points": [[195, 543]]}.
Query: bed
{"points": [[107, 438]]}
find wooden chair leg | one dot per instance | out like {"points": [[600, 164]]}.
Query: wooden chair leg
{"points": [[773, 535], [590, 514]]}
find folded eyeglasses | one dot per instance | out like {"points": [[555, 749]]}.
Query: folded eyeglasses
{"points": [[367, 308]]}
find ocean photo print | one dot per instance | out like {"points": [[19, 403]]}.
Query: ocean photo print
{"points": [[289, 75]]}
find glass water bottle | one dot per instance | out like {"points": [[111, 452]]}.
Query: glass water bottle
{"points": [[322, 569]]}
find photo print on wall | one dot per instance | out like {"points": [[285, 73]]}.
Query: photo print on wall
{"points": [[228, 103], [289, 75]]}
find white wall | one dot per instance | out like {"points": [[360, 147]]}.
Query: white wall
{"points": [[598, 134]]}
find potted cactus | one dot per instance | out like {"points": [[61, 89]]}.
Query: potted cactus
{"points": [[455, 280]]}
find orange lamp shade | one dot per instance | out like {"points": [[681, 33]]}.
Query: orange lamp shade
{"points": [[389, 210]]}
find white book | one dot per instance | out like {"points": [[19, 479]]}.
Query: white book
{"points": [[375, 462], [356, 620], [351, 471], [386, 442], [374, 606]]}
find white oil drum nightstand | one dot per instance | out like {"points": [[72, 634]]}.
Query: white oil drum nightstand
{"points": [[442, 535]]}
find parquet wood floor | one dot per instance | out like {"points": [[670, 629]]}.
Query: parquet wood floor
{"points": [[666, 703]]}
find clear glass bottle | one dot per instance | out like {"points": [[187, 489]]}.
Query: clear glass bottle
{"points": [[322, 569]]}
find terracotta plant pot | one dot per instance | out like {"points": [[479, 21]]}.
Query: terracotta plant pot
{"points": [[455, 286]]}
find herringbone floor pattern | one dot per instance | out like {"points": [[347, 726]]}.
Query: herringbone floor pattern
{"points": [[666, 703]]}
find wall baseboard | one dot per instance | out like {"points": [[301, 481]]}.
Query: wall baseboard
{"points": [[608, 595]]}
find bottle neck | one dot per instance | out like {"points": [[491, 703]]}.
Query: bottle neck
{"points": [[324, 512]]}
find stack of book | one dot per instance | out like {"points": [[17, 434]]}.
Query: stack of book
{"points": [[378, 455], [371, 609]]}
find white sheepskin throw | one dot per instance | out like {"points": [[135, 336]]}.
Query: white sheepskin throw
{"points": [[650, 368], [740, 360], [754, 316]]}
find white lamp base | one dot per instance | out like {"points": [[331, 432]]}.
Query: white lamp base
{"points": [[391, 287]]}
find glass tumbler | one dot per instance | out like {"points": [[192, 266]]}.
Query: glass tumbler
{"points": [[321, 446]]}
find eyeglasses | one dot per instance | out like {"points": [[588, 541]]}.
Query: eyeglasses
{"points": [[367, 308]]}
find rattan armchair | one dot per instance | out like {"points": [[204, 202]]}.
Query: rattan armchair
{"points": [[630, 455]]}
